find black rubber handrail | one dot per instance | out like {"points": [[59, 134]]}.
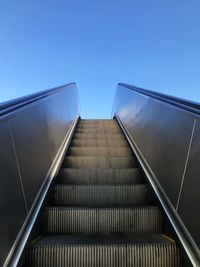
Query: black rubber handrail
{"points": [[191, 106], [13, 105]]}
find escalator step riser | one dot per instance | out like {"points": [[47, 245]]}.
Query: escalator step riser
{"points": [[97, 176], [104, 256], [98, 143], [100, 151], [99, 162], [102, 221], [101, 195]]}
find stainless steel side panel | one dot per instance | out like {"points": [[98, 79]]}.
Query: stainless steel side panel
{"points": [[164, 134], [30, 134], [30, 138], [57, 106], [12, 206]]}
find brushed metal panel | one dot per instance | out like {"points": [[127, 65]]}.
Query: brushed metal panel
{"points": [[161, 132], [30, 135], [132, 112], [190, 197], [12, 205], [61, 109], [167, 133]]}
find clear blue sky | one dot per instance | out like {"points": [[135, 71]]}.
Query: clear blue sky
{"points": [[152, 44]]}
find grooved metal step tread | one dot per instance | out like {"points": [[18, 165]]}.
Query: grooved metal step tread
{"points": [[101, 195], [99, 162], [94, 251], [100, 151], [105, 136], [99, 142], [108, 121], [100, 176], [98, 127], [98, 130], [125, 238], [146, 219]]}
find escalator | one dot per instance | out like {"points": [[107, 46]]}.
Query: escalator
{"points": [[102, 211]]}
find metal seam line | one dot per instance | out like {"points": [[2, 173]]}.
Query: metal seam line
{"points": [[186, 164], [18, 168]]}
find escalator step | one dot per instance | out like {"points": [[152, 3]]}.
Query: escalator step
{"points": [[99, 162], [100, 151], [98, 122], [98, 125], [99, 136], [101, 195], [89, 251], [103, 221], [100, 176], [99, 142], [98, 130]]}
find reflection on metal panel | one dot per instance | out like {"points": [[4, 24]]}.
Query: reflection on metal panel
{"points": [[161, 132], [165, 131], [164, 134], [58, 106], [12, 206], [30, 137], [190, 195]]}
